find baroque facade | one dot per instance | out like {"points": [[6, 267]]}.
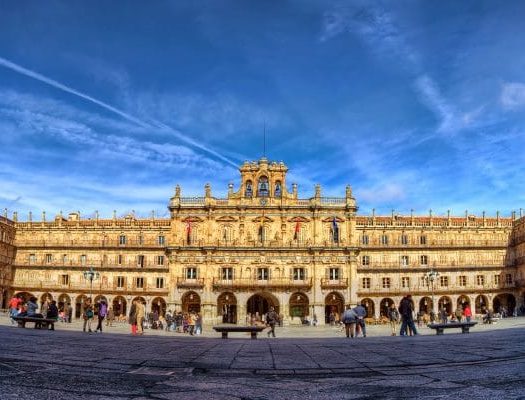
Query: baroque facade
{"points": [[265, 246]]}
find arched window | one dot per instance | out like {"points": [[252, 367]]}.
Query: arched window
{"points": [[249, 191], [278, 190], [262, 190]]}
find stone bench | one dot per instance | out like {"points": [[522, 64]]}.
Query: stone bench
{"points": [[465, 326], [40, 323], [225, 329]]}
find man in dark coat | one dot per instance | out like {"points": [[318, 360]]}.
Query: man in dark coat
{"points": [[407, 318], [271, 319]]}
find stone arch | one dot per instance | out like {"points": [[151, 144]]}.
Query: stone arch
{"points": [[120, 307], [369, 306], [425, 305], [45, 296], [79, 305], [227, 307], [384, 305], [299, 305], [259, 304], [481, 304], [446, 303], [463, 300], [191, 302], [504, 303], [158, 304], [334, 305]]}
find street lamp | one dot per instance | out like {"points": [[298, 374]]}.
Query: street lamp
{"points": [[91, 275], [431, 277]]}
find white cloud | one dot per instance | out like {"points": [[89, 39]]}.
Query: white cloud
{"points": [[513, 95]]}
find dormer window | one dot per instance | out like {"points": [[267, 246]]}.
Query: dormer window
{"points": [[249, 191], [262, 190], [278, 191]]}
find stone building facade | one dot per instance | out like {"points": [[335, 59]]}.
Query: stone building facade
{"points": [[7, 255], [265, 246]]}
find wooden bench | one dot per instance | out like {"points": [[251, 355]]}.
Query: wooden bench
{"points": [[225, 329], [465, 326], [40, 323]]}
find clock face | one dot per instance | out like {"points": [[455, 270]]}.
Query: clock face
{"points": [[263, 202]]}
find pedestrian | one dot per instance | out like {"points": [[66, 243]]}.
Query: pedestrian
{"points": [[393, 317], [459, 313], [271, 319], [141, 312], [69, 313], [361, 313], [407, 319], [467, 312], [349, 319], [443, 316], [52, 313], [110, 317], [133, 317], [44, 308], [14, 304], [102, 312], [198, 324], [87, 315]]}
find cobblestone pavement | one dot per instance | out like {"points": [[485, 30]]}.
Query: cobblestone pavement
{"points": [[314, 364]]}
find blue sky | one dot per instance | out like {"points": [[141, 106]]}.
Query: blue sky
{"points": [[417, 105]]}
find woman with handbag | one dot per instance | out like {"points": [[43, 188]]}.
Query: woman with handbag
{"points": [[88, 315]]}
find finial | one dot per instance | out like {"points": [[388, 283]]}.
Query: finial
{"points": [[114, 214], [177, 191]]}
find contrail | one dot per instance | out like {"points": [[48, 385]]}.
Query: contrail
{"points": [[51, 82]]}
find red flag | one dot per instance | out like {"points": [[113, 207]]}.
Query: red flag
{"points": [[297, 229], [188, 231]]}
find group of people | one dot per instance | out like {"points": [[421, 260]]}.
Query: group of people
{"points": [[354, 321], [190, 322], [18, 307]]}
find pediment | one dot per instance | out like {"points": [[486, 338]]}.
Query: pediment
{"points": [[226, 218], [192, 219], [330, 219], [299, 219], [263, 219]]}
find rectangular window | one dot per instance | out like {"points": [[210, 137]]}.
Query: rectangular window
{"points": [[404, 261], [423, 260], [64, 259], [161, 240], [139, 283], [160, 260], [160, 283], [422, 240], [83, 259], [140, 240], [122, 240], [405, 282], [496, 279], [119, 259], [49, 258], [384, 240], [364, 240], [480, 280], [227, 273], [298, 274], [32, 258], [64, 279], [121, 281], [262, 274], [443, 281], [386, 283], [462, 280], [140, 261], [366, 283], [404, 239], [191, 273], [333, 274], [365, 260], [508, 279]]}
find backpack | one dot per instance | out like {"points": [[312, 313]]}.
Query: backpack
{"points": [[89, 313]]}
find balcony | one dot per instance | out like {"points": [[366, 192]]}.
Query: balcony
{"points": [[327, 283], [76, 243], [439, 244], [84, 287], [190, 283], [250, 283]]}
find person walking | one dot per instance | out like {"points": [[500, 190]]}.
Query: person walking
{"points": [[102, 312], [87, 315], [443, 316], [459, 313], [271, 319], [110, 317], [393, 317], [349, 319], [133, 317], [361, 313], [407, 319], [467, 312], [141, 313]]}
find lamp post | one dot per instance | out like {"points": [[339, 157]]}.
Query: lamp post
{"points": [[431, 277], [91, 275]]}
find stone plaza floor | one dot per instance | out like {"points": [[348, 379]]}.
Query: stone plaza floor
{"points": [[301, 363]]}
